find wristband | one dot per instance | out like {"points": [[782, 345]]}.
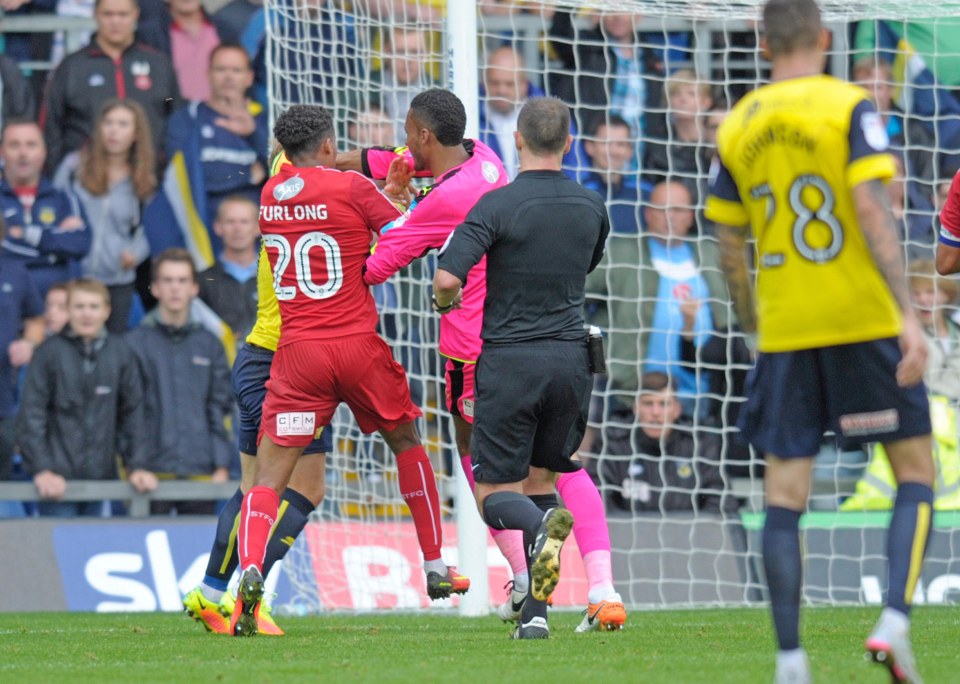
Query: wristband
{"points": [[441, 309]]}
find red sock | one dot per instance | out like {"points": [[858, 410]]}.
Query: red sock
{"points": [[258, 513], [419, 489]]}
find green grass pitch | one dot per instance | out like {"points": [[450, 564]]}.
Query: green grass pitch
{"points": [[733, 645]]}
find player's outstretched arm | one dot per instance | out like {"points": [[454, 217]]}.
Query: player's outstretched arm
{"points": [[350, 161], [879, 229], [733, 262]]}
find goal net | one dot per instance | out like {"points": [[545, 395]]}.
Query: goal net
{"points": [[648, 82]]}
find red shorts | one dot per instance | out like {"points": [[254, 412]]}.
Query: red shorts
{"points": [[459, 389], [309, 379]]}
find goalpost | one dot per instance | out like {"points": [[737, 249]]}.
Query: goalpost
{"points": [[364, 59]]}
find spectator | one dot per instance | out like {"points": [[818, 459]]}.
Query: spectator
{"points": [[55, 314], [877, 488], [229, 287], [404, 74], [724, 358], [114, 176], [371, 128], [504, 90], [112, 65], [610, 151], [605, 69], [187, 36], [676, 146], [935, 299], [638, 290], [29, 47], [16, 96], [46, 229], [187, 394], [913, 212], [907, 133], [228, 132], [317, 38], [935, 39], [662, 464], [231, 20], [81, 405], [21, 329]]}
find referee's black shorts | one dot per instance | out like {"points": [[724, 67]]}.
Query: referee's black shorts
{"points": [[532, 403]]}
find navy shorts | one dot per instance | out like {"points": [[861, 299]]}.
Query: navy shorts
{"points": [[532, 403], [794, 397], [251, 370]]}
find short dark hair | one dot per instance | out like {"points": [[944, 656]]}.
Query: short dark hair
{"points": [[302, 129], [12, 121], [605, 119], [544, 123], [442, 113], [96, 4], [229, 45], [174, 255], [791, 25], [655, 381]]}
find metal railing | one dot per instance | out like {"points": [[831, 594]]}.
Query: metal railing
{"points": [[116, 490]]}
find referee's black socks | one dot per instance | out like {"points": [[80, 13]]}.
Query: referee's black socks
{"points": [[512, 511]]}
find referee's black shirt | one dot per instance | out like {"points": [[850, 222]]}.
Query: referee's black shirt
{"points": [[542, 235]]}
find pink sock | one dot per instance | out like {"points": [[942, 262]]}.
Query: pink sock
{"points": [[419, 489], [468, 471], [258, 513], [581, 497], [596, 564], [510, 542]]}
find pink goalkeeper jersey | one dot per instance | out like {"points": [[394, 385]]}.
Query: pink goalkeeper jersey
{"points": [[432, 217]]}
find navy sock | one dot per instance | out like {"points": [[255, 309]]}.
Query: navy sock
{"points": [[907, 542], [223, 554], [783, 566], [295, 510]]}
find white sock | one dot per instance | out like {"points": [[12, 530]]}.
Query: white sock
{"points": [[521, 583], [601, 592], [211, 594], [895, 620], [794, 658], [437, 566]]}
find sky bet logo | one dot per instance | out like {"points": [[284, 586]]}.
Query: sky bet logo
{"points": [[132, 567], [296, 424]]}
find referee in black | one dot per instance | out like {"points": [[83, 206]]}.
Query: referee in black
{"points": [[541, 235]]}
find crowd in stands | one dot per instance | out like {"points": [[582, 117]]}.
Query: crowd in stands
{"points": [[130, 191]]}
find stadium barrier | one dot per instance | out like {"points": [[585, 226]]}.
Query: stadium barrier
{"points": [[135, 565], [115, 490]]}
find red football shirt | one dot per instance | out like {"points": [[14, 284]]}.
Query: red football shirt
{"points": [[317, 226], [950, 215]]}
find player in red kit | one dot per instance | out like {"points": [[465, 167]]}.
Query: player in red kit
{"points": [[948, 245], [317, 225]]}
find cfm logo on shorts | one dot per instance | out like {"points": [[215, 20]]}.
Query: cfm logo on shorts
{"points": [[296, 423]]}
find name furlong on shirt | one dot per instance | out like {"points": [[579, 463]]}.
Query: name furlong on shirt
{"points": [[296, 212]]}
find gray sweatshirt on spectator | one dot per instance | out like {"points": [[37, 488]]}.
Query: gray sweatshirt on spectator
{"points": [[114, 220]]}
